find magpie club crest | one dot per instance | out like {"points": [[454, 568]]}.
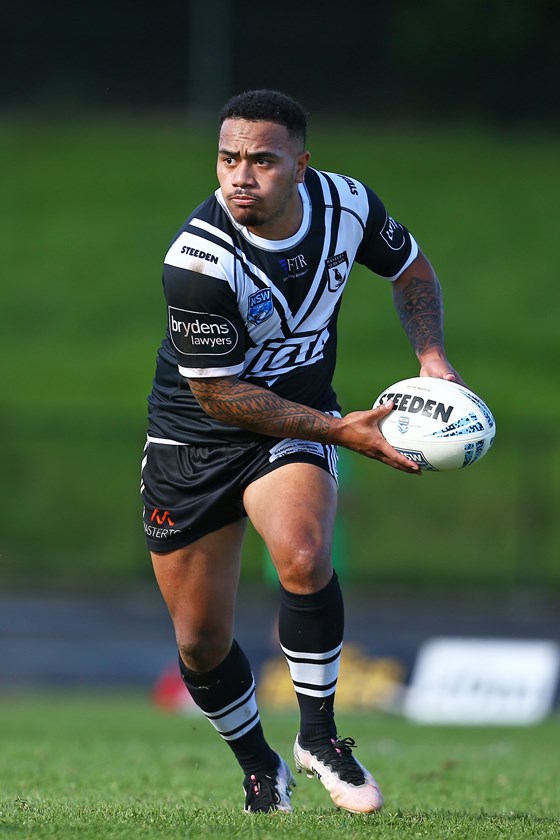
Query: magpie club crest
{"points": [[337, 270]]}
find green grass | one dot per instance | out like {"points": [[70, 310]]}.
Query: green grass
{"points": [[91, 206], [115, 767]]}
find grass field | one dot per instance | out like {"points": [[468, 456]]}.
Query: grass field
{"points": [[115, 767]]}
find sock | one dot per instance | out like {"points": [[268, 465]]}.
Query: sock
{"points": [[311, 628], [226, 695]]}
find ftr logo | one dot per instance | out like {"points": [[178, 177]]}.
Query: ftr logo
{"points": [[161, 519]]}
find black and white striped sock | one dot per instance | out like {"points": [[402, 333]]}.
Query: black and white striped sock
{"points": [[311, 629], [226, 695]]}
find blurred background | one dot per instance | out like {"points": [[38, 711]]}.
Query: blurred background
{"points": [[449, 110]]}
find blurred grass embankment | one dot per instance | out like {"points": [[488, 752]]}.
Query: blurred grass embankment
{"points": [[91, 207]]}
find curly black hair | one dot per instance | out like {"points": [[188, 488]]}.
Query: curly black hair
{"points": [[268, 106]]}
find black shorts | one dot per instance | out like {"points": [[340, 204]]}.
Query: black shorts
{"points": [[189, 491]]}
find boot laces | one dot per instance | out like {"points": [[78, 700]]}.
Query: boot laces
{"points": [[261, 793], [337, 755]]}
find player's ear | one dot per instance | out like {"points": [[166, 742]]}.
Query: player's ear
{"points": [[301, 166]]}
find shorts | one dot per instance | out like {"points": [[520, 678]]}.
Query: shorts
{"points": [[189, 490]]}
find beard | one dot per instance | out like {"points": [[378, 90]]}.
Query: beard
{"points": [[263, 212], [248, 217]]}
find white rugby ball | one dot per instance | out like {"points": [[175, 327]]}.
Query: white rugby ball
{"points": [[436, 423]]}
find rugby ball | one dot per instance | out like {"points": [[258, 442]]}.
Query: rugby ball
{"points": [[436, 423]]}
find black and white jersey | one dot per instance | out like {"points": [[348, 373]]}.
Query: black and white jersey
{"points": [[265, 310]]}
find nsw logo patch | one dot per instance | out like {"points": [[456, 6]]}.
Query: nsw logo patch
{"points": [[260, 306]]}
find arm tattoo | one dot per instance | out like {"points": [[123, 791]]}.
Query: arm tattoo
{"points": [[247, 406], [419, 308]]}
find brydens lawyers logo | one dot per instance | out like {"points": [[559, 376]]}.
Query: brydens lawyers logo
{"points": [[201, 333]]}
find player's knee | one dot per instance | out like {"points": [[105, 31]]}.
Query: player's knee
{"points": [[203, 651], [306, 568]]}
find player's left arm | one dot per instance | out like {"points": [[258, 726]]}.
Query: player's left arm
{"points": [[417, 298]]}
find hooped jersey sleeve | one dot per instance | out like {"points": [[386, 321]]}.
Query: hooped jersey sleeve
{"points": [[204, 324]]}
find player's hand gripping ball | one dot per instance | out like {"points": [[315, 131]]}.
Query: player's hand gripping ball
{"points": [[438, 424]]}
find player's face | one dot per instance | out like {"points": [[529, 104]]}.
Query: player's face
{"points": [[259, 168]]}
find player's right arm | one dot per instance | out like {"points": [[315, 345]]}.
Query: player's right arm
{"points": [[248, 406]]}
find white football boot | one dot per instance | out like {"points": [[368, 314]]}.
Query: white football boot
{"points": [[269, 793], [350, 785]]}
